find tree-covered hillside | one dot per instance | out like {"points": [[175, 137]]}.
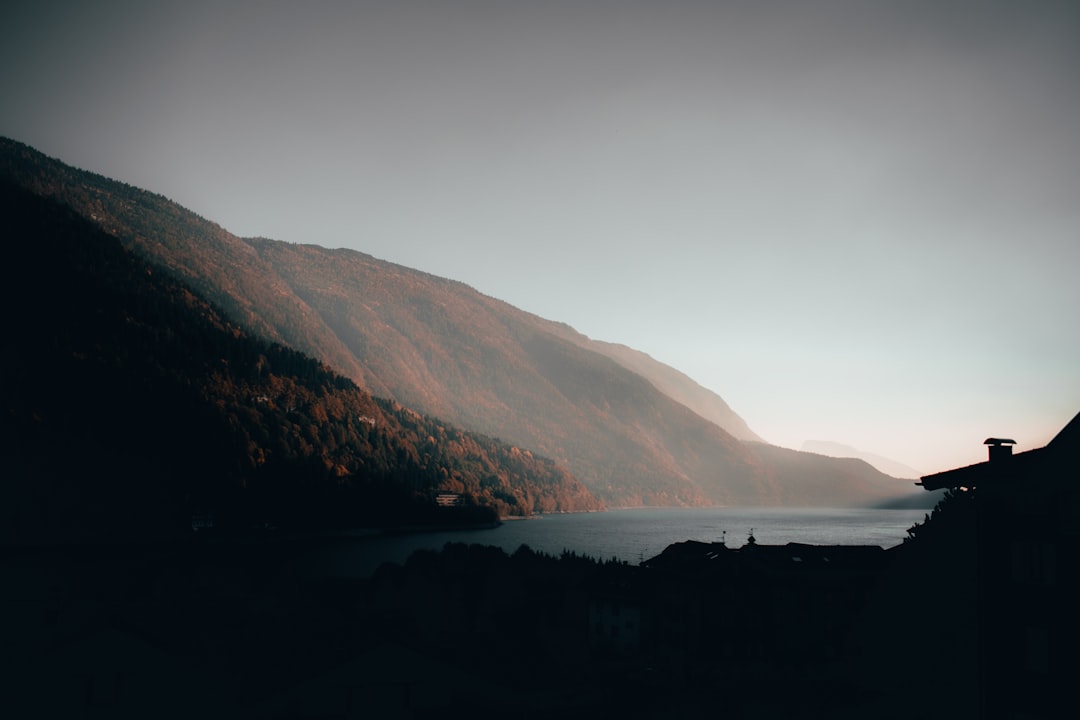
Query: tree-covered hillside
{"points": [[130, 403], [631, 430]]}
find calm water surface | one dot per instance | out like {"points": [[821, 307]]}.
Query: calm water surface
{"points": [[634, 535]]}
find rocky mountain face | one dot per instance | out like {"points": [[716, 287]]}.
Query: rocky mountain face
{"points": [[632, 430]]}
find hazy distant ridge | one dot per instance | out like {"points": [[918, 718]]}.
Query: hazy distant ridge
{"points": [[839, 450], [678, 386]]}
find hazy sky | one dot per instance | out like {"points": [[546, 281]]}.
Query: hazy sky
{"points": [[855, 221]]}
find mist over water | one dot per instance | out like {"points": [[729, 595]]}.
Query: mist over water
{"points": [[637, 534]]}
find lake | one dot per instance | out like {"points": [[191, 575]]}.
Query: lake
{"points": [[635, 534]]}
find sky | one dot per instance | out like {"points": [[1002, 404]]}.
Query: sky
{"points": [[854, 221]]}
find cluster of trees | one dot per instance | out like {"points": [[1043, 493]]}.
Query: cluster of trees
{"points": [[953, 514], [130, 402]]}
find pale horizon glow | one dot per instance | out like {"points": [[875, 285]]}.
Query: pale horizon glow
{"points": [[854, 221]]}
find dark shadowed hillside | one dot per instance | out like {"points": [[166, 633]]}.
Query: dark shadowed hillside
{"points": [[130, 404], [632, 430]]}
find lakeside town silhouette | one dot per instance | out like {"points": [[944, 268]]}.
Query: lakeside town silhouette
{"points": [[972, 616]]}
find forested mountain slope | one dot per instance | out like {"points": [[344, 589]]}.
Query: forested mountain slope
{"points": [[130, 403], [632, 430]]}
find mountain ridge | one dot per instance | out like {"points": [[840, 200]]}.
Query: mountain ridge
{"points": [[886, 465], [129, 404], [445, 349]]}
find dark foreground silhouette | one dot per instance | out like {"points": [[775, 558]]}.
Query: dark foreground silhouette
{"points": [[973, 616]]}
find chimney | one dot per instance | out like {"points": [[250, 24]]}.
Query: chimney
{"points": [[1000, 449]]}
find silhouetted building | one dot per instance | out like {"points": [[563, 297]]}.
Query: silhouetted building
{"points": [[738, 621], [449, 499], [202, 521], [617, 610], [1027, 537]]}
